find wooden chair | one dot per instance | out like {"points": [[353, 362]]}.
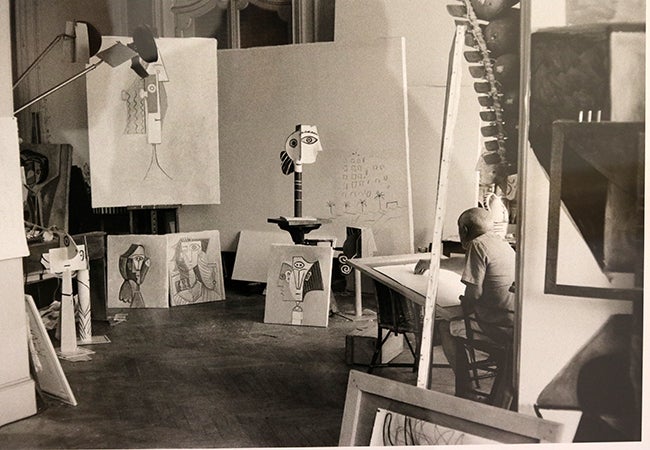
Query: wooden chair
{"points": [[397, 315], [488, 360]]}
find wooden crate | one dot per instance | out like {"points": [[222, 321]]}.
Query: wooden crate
{"points": [[360, 346]]}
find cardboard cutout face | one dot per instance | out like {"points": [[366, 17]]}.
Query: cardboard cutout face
{"points": [[303, 145]]}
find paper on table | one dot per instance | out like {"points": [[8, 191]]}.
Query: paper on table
{"points": [[12, 231], [449, 285]]}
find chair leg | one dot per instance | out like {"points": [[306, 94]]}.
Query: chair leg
{"points": [[472, 363]]}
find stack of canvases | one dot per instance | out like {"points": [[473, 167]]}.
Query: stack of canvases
{"points": [[156, 271]]}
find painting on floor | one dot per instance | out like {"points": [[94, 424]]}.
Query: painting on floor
{"points": [[153, 137], [194, 267], [393, 429], [298, 285], [137, 271]]}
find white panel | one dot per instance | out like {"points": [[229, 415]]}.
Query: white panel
{"points": [[355, 95]]}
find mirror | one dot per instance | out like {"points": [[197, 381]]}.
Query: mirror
{"points": [[596, 196]]}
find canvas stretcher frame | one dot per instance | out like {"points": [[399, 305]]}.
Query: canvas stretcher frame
{"points": [[367, 392]]}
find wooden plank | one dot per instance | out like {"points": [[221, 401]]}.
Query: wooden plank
{"points": [[367, 392], [451, 111]]}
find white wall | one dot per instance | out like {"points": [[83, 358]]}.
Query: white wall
{"points": [[63, 114], [429, 31], [553, 327], [17, 394]]}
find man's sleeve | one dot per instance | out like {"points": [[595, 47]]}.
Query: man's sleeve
{"points": [[475, 265]]}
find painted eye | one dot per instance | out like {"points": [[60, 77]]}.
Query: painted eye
{"points": [[299, 265], [293, 143], [195, 246], [309, 140]]}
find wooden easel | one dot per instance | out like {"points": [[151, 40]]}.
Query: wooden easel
{"points": [[154, 223], [452, 98]]}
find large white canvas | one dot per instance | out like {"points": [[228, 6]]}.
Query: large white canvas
{"points": [[299, 285], [429, 31], [356, 95], [153, 287], [194, 267], [185, 167]]}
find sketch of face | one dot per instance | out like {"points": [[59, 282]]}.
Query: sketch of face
{"points": [[134, 264], [303, 145], [188, 255], [293, 278]]}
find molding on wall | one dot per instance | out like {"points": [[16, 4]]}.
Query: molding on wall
{"points": [[18, 400]]}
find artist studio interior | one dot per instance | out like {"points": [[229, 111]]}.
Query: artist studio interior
{"points": [[318, 223]]}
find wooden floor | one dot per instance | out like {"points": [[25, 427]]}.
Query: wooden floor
{"points": [[208, 375]]}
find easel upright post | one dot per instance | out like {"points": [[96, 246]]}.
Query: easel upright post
{"points": [[452, 99]]}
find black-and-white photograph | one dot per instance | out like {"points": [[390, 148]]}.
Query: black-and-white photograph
{"points": [[322, 223]]}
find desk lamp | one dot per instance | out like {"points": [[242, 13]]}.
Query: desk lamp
{"points": [[87, 42]]}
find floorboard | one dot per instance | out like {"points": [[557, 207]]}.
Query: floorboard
{"points": [[209, 375]]}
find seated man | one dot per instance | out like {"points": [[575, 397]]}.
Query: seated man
{"points": [[488, 275]]}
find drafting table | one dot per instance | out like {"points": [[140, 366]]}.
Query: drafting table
{"points": [[396, 272]]}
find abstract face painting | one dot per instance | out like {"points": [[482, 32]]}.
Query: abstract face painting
{"points": [[134, 265], [195, 270], [303, 144], [297, 279], [137, 276], [298, 285]]}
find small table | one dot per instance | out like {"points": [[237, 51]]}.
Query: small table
{"points": [[296, 226]]}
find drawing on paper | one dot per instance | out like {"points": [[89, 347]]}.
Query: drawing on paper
{"points": [[134, 265], [368, 197], [194, 276], [298, 285], [146, 104], [155, 131], [393, 429]]}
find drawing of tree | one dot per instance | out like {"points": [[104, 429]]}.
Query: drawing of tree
{"points": [[363, 204], [379, 195], [331, 205]]}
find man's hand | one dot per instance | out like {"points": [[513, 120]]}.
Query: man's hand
{"points": [[422, 266]]}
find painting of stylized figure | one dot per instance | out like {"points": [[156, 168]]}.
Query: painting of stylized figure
{"points": [[134, 265], [155, 130], [194, 279], [194, 267], [296, 280], [298, 285], [137, 271]]}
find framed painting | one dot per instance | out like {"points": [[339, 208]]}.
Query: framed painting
{"points": [[137, 271], [595, 221], [194, 267], [299, 285], [371, 401]]}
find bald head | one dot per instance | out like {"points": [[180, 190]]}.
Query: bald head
{"points": [[474, 222]]}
